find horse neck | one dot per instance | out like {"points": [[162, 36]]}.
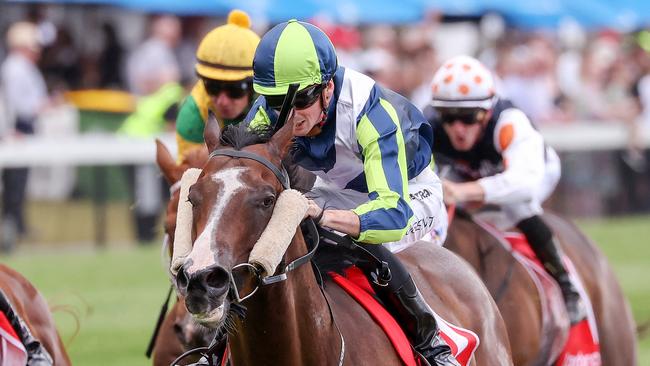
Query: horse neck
{"points": [[287, 323]]}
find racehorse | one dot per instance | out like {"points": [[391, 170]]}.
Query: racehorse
{"points": [[292, 322], [30, 305], [517, 298]]}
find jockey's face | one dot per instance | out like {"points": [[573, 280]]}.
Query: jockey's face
{"points": [[227, 107], [228, 99], [305, 120], [463, 135]]}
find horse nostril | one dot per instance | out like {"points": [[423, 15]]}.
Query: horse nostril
{"points": [[217, 278], [179, 332], [181, 280]]}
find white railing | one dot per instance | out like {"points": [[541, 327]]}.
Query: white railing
{"points": [[112, 149]]}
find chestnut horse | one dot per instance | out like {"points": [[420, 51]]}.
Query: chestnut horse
{"points": [[517, 297], [30, 305], [292, 322]]}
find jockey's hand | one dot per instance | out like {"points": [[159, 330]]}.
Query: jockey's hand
{"points": [[314, 211], [455, 193], [450, 193]]}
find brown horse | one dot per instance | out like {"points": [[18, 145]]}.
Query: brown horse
{"points": [[517, 298], [292, 322], [179, 332], [30, 305]]}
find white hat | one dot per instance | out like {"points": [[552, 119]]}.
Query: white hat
{"points": [[23, 34]]}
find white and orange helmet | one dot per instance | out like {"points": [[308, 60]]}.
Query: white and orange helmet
{"points": [[463, 82]]}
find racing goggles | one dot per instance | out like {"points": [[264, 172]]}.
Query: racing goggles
{"points": [[466, 116], [304, 98], [233, 89]]}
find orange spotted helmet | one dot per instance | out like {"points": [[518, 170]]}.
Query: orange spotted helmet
{"points": [[463, 82]]}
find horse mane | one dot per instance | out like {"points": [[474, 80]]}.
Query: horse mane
{"points": [[241, 135]]}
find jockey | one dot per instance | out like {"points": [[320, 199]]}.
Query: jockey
{"points": [[501, 156], [371, 151], [225, 71]]}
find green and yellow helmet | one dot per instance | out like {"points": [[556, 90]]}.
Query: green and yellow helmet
{"points": [[293, 52], [226, 53]]}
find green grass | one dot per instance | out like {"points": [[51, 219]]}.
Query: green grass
{"points": [[117, 295], [625, 243], [118, 292]]}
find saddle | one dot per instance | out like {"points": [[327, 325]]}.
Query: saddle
{"points": [[338, 261], [581, 345], [463, 342], [568, 345]]}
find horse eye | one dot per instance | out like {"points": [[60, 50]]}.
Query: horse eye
{"points": [[193, 198], [268, 201]]}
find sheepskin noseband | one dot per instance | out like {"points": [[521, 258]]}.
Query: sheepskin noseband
{"points": [[289, 210], [183, 232]]}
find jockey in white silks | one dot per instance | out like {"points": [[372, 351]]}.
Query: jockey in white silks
{"points": [[501, 158]]}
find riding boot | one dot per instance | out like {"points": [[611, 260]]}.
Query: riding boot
{"points": [[547, 250], [414, 313], [37, 355]]}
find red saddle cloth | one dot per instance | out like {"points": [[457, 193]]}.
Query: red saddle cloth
{"points": [[12, 351], [462, 342], [582, 347]]}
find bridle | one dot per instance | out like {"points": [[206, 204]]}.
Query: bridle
{"points": [[259, 277]]}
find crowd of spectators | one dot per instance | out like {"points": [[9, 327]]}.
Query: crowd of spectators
{"points": [[556, 76], [553, 75]]}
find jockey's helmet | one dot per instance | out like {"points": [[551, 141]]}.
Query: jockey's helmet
{"points": [[226, 53], [463, 83], [293, 52]]}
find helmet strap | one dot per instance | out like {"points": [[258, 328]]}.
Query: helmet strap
{"points": [[485, 120], [323, 107], [323, 116]]}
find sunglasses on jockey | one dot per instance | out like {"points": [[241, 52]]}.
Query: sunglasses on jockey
{"points": [[233, 89], [466, 116], [304, 98]]}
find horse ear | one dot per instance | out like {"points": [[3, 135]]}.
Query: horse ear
{"points": [[196, 157], [282, 139], [166, 163], [212, 132]]}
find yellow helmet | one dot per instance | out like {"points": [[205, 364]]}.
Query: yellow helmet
{"points": [[226, 53]]}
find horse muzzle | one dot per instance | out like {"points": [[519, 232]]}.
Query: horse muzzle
{"points": [[205, 293]]}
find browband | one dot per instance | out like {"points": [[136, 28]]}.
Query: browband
{"points": [[282, 175]]}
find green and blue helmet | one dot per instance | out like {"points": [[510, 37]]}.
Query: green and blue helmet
{"points": [[293, 52]]}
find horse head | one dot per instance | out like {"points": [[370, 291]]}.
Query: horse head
{"points": [[232, 201]]}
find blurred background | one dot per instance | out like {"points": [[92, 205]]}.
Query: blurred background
{"points": [[580, 69]]}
